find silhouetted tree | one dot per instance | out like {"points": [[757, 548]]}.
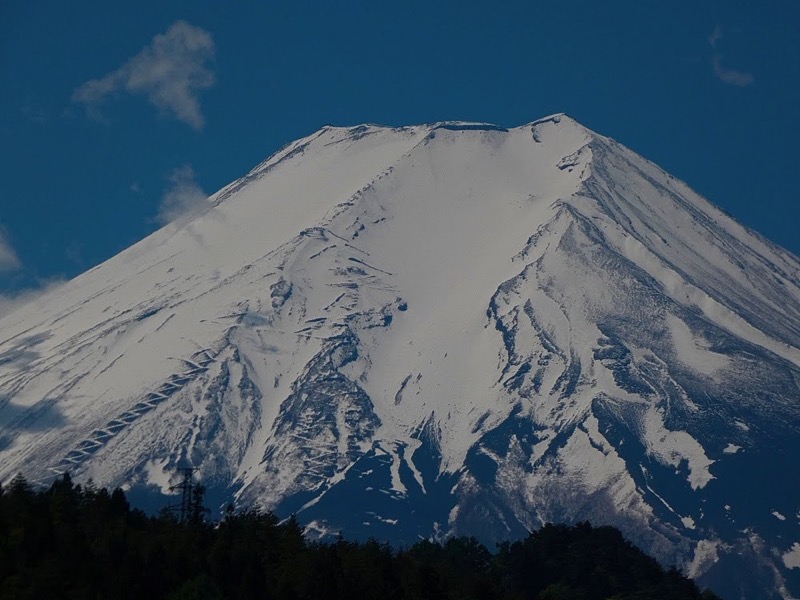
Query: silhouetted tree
{"points": [[73, 541]]}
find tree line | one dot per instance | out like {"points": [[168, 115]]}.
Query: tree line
{"points": [[73, 541]]}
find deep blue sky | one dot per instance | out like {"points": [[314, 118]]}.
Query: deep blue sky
{"points": [[707, 89]]}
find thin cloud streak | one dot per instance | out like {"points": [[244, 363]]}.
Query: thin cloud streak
{"points": [[183, 198], [11, 302], [8, 257], [725, 74], [170, 72]]}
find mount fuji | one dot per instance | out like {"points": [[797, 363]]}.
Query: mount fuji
{"points": [[447, 329]]}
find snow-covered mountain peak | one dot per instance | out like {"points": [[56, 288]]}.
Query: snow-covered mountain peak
{"points": [[453, 327]]}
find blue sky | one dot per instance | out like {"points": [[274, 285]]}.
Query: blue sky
{"points": [[114, 117]]}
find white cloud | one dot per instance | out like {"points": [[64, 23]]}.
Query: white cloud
{"points": [[170, 71], [725, 74], [8, 257], [183, 198], [11, 302]]}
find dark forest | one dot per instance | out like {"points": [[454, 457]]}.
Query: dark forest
{"points": [[73, 541]]}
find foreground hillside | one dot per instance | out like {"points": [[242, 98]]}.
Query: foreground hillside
{"points": [[80, 542]]}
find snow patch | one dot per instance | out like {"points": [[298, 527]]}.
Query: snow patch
{"points": [[693, 351], [157, 474], [377, 517], [397, 483], [705, 555], [673, 447], [731, 449], [791, 558]]}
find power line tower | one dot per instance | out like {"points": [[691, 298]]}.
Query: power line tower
{"points": [[187, 488]]}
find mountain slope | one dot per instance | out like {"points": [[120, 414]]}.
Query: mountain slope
{"points": [[454, 328]]}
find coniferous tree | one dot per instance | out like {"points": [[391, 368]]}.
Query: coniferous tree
{"points": [[76, 541]]}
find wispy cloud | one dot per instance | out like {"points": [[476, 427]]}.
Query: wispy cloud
{"points": [[8, 257], [170, 71], [9, 261], [725, 74], [35, 114], [11, 302], [183, 198]]}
